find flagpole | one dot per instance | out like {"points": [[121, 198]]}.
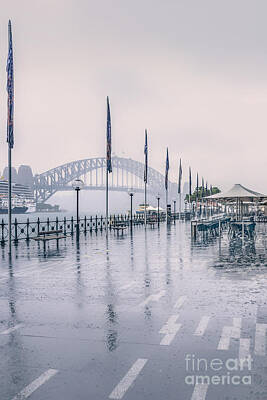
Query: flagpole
{"points": [[108, 159], [107, 201], [145, 204], [190, 190], [180, 205], [10, 128], [167, 206], [166, 183], [145, 177], [189, 200], [9, 200]]}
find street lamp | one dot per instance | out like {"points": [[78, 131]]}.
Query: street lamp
{"points": [[77, 185], [131, 193], [158, 198]]}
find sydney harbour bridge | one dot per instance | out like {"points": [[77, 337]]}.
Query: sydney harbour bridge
{"points": [[127, 174]]}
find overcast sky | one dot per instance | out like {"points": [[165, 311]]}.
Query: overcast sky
{"points": [[194, 73]]}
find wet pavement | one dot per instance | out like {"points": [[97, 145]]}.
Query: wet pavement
{"points": [[152, 315]]}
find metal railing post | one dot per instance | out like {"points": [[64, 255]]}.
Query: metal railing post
{"points": [[2, 233], [27, 230], [64, 225], [38, 226], [72, 228], [16, 230]]}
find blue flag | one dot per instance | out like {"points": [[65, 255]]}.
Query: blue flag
{"points": [[190, 182], [10, 90], [167, 170], [109, 165], [145, 152], [180, 177]]}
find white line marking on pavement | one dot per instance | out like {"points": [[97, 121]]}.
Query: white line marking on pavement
{"points": [[170, 330], [237, 322], [128, 286], [230, 332], [27, 273], [200, 391], [180, 302], [28, 390], [244, 346], [211, 272], [202, 326], [72, 267], [244, 353], [224, 342], [260, 339], [128, 379], [152, 297], [12, 329], [26, 270]]}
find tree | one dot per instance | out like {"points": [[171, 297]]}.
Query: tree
{"points": [[198, 193]]}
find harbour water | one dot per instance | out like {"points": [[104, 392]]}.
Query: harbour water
{"points": [[125, 316]]}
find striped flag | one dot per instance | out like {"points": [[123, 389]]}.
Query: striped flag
{"points": [[145, 152], [109, 165], [10, 90], [167, 170], [180, 176], [190, 182]]}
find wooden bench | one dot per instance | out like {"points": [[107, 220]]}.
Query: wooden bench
{"points": [[119, 227], [151, 223], [45, 236]]}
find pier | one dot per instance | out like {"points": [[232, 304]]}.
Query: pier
{"points": [[139, 301]]}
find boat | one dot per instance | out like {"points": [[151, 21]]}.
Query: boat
{"points": [[17, 189], [17, 203], [22, 198], [15, 210], [149, 209]]}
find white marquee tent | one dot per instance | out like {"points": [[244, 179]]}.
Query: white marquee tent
{"points": [[239, 192]]}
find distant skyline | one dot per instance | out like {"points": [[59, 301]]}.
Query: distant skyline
{"points": [[194, 74]]}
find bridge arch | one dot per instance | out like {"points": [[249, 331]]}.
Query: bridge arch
{"points": [[57, 179]]}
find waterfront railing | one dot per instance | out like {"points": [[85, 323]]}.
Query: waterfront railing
{"points": [[30, 229]]}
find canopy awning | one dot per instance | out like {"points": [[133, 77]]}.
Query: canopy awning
{"points": [[150, 208], [239, 192]]}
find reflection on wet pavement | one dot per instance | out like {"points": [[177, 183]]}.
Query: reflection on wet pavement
{"points": [[130, 316]]}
